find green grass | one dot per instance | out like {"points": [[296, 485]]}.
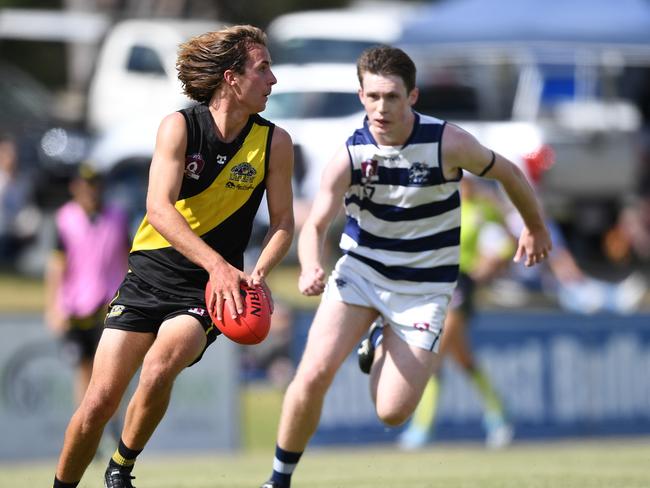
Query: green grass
{"points": [[595, 464], [20, 294], [261, 405]]}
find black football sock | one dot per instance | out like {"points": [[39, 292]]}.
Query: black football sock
{"points": [[124, 458], [60, 484]]}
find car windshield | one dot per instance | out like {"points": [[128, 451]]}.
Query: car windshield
{"points": [[316, 104]]}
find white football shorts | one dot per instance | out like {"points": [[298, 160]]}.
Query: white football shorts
{"points": [[416, 319]]}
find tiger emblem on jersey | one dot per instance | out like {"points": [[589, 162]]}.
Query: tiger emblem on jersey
{"points": [[242, 176]]}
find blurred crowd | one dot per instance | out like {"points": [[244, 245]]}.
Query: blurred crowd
{"points": [[18, 212]]}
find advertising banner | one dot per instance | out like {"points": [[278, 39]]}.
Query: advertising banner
{"points": [[36, 397], [560, 375]]}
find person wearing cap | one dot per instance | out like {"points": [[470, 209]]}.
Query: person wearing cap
{"points": [[86, 266]]}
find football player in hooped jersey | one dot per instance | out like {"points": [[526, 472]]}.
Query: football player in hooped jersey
{"points": [[398, 177], [211, 166]]}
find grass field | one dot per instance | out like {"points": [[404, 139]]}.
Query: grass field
{"points": [[602, 464]]}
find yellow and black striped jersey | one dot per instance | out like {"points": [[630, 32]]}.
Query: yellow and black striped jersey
{"points": [[221, 192]]}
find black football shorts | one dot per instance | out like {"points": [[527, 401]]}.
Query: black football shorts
{"points": [[81, 339], [140, 307]]}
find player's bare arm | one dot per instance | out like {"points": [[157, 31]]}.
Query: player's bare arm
{"points": [[165, 178], [279, 197], [461, 151], [334, 183]]}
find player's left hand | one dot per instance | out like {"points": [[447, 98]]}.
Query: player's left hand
{"points": [[256, 279], [225, 280], [311, 281], [534, 245]]}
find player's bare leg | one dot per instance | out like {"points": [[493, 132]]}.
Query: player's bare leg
{"points": [[180, 340], [117, 359], [454, 341], [336, 330], [398, 377], [82, 379]]}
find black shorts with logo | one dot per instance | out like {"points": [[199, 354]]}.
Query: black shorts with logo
{"points": [[81, 339], [140, 307]]}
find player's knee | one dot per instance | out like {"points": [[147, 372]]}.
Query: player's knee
{"points": [[393, 418], [393, 415], [156, 377], [97, 409], [314, 381]]}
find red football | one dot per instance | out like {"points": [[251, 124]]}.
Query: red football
{"points": [[252, 326]]}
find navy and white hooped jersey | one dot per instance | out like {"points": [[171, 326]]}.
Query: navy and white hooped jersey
{"points": [[403, 217]]}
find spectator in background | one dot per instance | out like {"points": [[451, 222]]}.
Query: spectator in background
{"points": [[562, 277], [84, 271], [485, 250], [578, 292], [19, 218], [629, 240]]}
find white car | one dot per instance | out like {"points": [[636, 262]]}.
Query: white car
{"points": [[318, 104], [336, 35], [135, 78]]}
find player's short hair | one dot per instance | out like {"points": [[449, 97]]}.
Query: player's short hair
{"points": [[203, 60], [387, 60]]}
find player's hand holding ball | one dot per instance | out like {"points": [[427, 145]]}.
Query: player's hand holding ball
{"points": [[253, 324]]}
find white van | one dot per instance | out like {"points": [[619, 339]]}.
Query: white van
{"points": [[335, 35], [135, 76]]}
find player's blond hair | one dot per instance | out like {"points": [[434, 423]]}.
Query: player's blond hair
{"points": [[203, 60]]}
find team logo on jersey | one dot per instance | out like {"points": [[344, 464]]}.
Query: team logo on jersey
{"points": [[194, 164], [419, 174], [369, 171], [197, 311], [116, 311], [221, 159], [242, 176]]}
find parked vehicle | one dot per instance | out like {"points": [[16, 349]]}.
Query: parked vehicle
{"points": [[319, 106], [335, 35], [135, 76], [563, 69], [567, 121], [47, 146], [578, 146], [47, 150]]}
